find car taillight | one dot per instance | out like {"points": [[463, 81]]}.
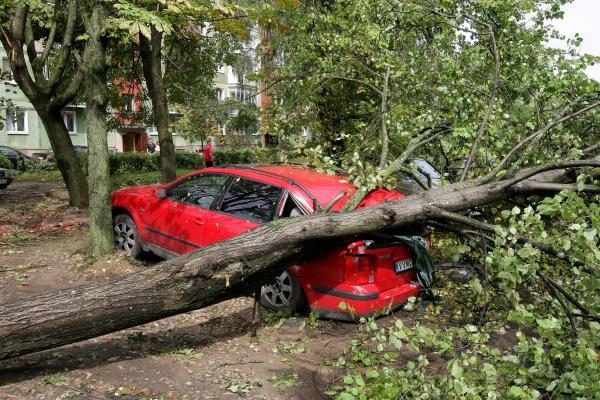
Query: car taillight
{"points": [[360, 269]]}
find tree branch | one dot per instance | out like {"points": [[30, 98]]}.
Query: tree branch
{"points": [[567, 295], [426, 137], [490, 106], [50, 42], [543, 187], [539, 132], [416, 178], [563, 305], [61, 100], [436, 212], [384, 135], [32, 55], [590, 150], [16, 55], [548, 167], [64, 53], [372, 87]]}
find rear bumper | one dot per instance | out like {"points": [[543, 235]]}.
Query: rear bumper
{"points": [[348, 302]]}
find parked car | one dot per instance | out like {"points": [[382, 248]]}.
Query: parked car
{"points": [[6, 178], [13, 155], [40, 156], [425, 172], [79, 150], [368, 274]]}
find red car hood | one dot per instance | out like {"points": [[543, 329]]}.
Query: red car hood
{"points": [[138, 190]]}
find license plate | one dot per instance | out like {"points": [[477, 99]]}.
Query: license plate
{"points": [[402, 265], [3, 181]]}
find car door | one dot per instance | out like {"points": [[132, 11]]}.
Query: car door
{"points": [[179, 220], [245, 205]]}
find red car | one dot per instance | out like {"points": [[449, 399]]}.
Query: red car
{"points": [[358, 278]]}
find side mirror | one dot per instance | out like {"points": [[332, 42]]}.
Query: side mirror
{"points": [[161, 193]]}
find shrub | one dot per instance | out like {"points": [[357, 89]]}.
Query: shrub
{"points": [[38, 166], [121, 162], [187, 160], [148, 162], [249, 156], [5, 162]]}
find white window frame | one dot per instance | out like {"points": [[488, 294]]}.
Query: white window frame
{"points": [[129, 105], [7, 75], [25, 130], [74, 114]]}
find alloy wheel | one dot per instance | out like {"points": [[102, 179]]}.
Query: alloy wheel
{"points": [[278, 294], [124, 237]]}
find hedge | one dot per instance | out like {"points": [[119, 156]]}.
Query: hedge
{"points": [[146, 162], [248, 156], [130, 162], [151, 161]]}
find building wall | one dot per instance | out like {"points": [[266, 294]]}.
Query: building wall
{"points": [[34, 139]]}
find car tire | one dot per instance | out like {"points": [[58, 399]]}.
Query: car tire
{"points": [[127, 236], [285, 294]]}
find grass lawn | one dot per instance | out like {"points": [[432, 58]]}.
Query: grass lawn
{"points": [[119, 180]]}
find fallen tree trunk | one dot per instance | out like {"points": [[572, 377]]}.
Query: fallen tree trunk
{"points": [[227, 269]]}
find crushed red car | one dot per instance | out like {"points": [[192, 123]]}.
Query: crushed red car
{"points": [[360, 277]]}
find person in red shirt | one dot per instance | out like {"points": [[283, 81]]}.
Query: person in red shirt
{"points": [[208, 158]]}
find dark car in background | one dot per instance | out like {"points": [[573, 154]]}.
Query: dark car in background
{"points": [[79, 150], [6, 177], [427, 175], [14, 156]]}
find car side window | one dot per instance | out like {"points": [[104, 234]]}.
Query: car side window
{"points": [[199, 190], [251, 200]]}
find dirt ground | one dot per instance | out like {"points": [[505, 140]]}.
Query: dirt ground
{"points": [[205, 354]]}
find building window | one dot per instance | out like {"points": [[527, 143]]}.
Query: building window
{"points": [[129, 103], [6, 71], [70, 121], [220, 95], [16, 121], [152, 131]]}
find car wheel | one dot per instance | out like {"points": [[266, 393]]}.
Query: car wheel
{"points": [[285, 294], [126, 236]]}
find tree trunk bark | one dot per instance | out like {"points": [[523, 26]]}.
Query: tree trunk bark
{"points": [[218, 271], [66, 161], [151, 54], [101, 235]]}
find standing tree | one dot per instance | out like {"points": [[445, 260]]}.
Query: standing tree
{"points": [[180, 47], [50, 76], [152, 61], [95, 14]]}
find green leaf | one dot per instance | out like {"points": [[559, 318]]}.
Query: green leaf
{"points": [[517, 392], [590, 234], [456, 370], [548, 323]]}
